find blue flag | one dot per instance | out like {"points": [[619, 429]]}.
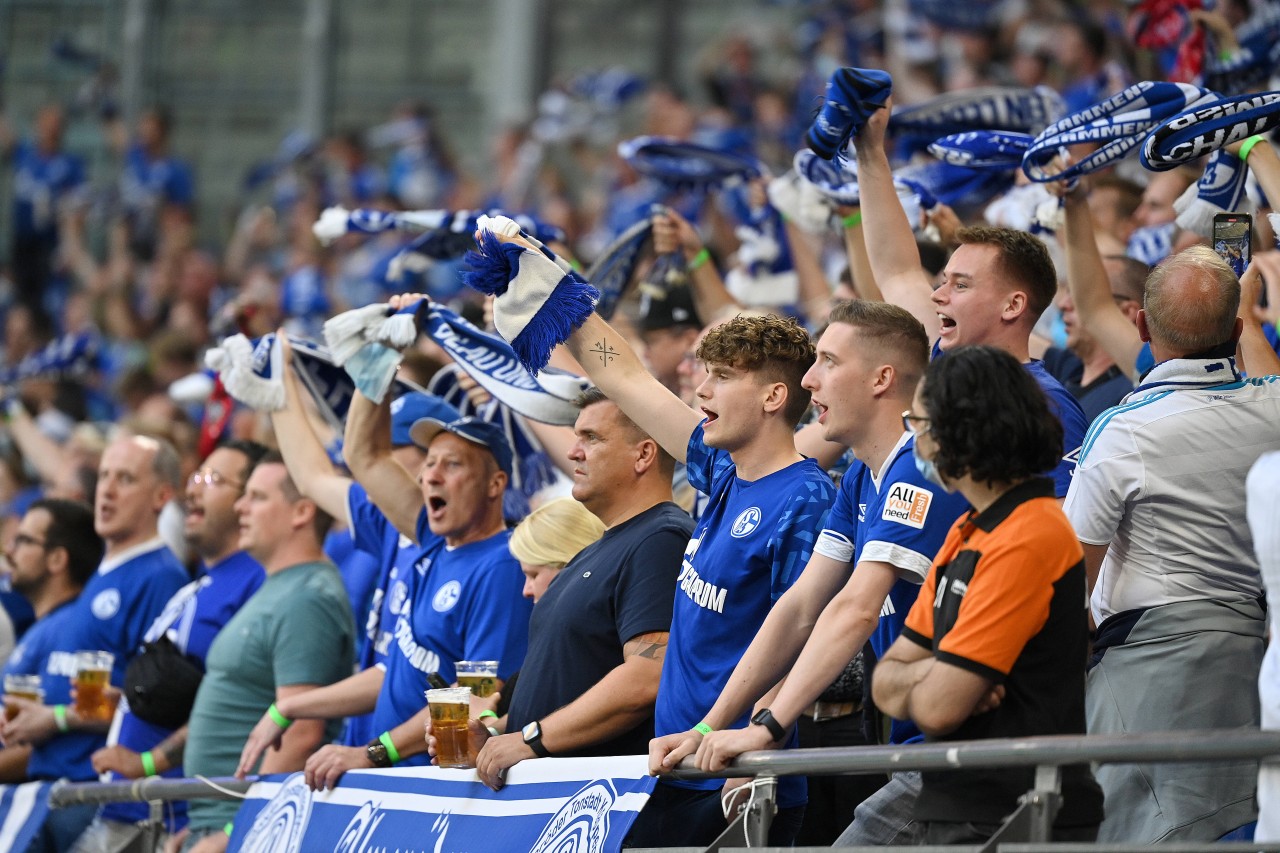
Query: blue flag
{"points": [[23, 809], [554, 805]]}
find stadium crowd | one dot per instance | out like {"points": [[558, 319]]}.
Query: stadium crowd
{"points": [[850, 450]]}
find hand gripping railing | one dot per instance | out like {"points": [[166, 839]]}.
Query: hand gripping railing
{"points": [[1032, 821]]}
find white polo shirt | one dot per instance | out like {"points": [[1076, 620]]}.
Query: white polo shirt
{"points": [[1161, 479]]}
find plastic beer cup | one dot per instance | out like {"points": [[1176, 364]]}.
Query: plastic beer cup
{"points": [[479, 675], [93, 675], [24, 687], [450, 709]]}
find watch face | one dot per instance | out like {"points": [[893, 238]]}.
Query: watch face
{"points": [[531, 731]]}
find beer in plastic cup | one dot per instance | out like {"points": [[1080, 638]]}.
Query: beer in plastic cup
{"points": [[479, 675], [450, 709], [24, 687], [93, 675]]}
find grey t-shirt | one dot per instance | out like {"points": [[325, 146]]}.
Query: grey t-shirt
{"points": [[296, 629]]}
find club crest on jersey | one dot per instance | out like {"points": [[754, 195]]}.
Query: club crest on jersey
{"points": [[106, 603], [907, 504], [746, 522], [446, 597]]}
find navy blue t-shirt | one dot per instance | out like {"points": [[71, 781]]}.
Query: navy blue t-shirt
{"points": [[613, 590], [1099, 395], [749, 546]]}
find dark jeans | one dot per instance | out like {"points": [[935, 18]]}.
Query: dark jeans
{"points": [[679, 817], [62, 827], [832, 799], [975, 833]]}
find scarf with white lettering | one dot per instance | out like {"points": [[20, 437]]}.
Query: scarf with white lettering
{"points": [[539, 299], [371, 340], [681, 165], [1118, 125], [1002, 108], [851, 96], [1208, 128], [73, 354]]}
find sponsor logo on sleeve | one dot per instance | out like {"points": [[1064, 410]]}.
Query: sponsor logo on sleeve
{"points": [[907, 504]]}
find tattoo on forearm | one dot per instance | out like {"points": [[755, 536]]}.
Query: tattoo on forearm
{"points": [[173, 749], [606, 352], [650, 646]]}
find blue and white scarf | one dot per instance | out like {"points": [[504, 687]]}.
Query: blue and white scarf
{"points": [[1256, 61], [382, 332], [252, 373], [681, 165], [1205, 129], [612, 272], [835, 179], [956, 186], [73, 354], [1006, 108], [851, 96], [983, 149], [550, 302], [448, 232], [1221, 189], [1118, 125]]}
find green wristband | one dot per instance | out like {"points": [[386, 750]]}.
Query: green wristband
{"points": [[484, 714], [148, 764], [699, 259], [1248, 146], [276, 717], [853, 220], [392, 753], [60, 717], [227, 829], [703, 729], [1226, 55]]}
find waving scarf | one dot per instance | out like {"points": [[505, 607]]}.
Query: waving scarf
{"points": [[73, 354], [852, 95], [1118, 125], [983, 149], [687, 165]]}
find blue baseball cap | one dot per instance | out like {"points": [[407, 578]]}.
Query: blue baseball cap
{"points": [[473, 430], [408, 409]]}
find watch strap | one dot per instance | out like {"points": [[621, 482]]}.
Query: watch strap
{"points": [[535, 743], [764, 717], [377, 754]]}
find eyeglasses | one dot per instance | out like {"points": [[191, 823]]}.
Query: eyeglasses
{"points": [[20, 539], [208, 478], [909, 422]]}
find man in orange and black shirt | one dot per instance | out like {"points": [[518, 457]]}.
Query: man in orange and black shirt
{"points": [[996, 643]]}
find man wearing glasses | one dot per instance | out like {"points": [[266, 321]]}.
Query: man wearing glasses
{"points": [[141, 745], [53, 554]]}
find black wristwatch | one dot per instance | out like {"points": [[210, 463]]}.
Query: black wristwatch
{"points": [[377, 754], [764, 717], [532, 734]]}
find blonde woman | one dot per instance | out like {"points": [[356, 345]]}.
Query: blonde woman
{"points": [[549, 538]]}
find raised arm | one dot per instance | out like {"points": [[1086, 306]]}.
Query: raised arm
{"points": [[673, 233], [1090, 287], [855, 247], [367, 449], [615, 368], [304, 455], [1254, 352], [895, 263]]}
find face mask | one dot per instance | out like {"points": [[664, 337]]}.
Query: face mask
{"points": [[928, 470]]}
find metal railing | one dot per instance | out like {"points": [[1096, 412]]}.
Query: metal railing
{"points": [[1027, 830]]}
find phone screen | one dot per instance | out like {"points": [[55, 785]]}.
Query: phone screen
{"points": [[1231, 239]]}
